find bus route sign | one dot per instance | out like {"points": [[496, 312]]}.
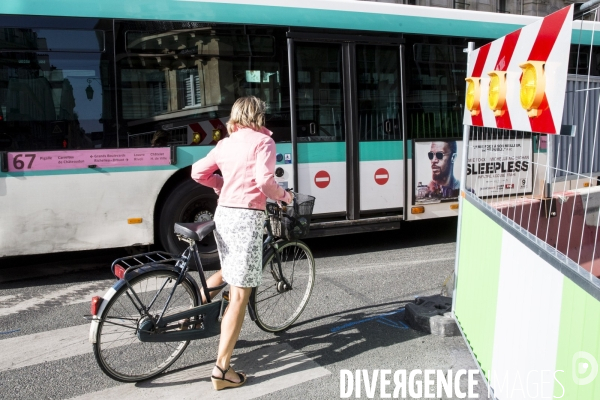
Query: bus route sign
{"points": [[25, 161]]}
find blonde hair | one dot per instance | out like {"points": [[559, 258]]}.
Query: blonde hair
{"points": [[247, 112]]}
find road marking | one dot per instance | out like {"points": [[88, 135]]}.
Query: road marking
{"points": [[269, 368], [379, 318], [67, 296], [379, 266], [27, 350]]}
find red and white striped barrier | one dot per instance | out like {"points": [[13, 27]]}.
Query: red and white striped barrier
{"points": [[518, 81]]}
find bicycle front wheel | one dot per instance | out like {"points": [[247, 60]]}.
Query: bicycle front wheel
{"points": [[118, 350], [284, 293]]}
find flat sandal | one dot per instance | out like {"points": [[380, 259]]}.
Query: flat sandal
{"points": [[222, 383]]}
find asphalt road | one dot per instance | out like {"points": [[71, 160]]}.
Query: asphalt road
{"points": [[354, 320]]}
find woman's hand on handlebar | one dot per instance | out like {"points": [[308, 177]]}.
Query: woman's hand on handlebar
{"points": [[291, 198]]}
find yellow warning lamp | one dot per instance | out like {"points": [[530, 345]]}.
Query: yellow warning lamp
{"points": [[196, 138], [216, 134], [533, 86], [473, 93], [497, 93]]}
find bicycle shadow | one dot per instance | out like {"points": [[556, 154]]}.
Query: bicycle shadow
{"points": [[302, 353], [266, 363], [352, 333]]}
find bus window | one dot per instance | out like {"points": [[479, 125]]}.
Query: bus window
{"points": [[436, 70], [580, 62], [183, 78], [319, 95], [379, 105], [55, 99], [43, 39]]}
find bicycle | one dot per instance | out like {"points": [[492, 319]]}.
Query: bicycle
{"points": [[146, 320]]}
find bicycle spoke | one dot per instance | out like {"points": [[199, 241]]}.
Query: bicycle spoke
{"points": [[276, 310], [118, 349]]}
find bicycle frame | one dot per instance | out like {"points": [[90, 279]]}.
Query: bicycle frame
{"points": [[156, 328]]}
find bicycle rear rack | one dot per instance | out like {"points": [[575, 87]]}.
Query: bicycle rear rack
{"points": [[131, 263]]}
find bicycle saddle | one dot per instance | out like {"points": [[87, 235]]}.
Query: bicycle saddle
{"points": [[194, 230]]}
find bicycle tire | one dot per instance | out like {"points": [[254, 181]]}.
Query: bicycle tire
{"points": [[269, 302], [118, 351]]}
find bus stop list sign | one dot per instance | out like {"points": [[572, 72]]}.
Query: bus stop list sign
{"points": [[518, 82]]}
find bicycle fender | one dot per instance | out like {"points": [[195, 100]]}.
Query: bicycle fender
{"points": [[122, 282], [267, 253]]}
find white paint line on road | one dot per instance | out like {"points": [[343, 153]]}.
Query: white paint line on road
{"points": [[67, 296], [4, 299], [270, 369], [23, 351], [387, 265], [84, 292]]}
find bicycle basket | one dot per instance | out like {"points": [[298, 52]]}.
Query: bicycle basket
{"points": [[292, 221]]}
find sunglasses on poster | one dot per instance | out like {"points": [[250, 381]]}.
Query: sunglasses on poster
{"points": [[439, 155]]}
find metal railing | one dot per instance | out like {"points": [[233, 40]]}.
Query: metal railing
{"points": [[560, 210]]}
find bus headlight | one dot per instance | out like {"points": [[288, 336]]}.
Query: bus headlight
{"points": [[497, 93], [533, 86], [472, 97]]}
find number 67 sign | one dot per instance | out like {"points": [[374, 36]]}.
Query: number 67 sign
{"points": [[18, 161], [76, 159]]}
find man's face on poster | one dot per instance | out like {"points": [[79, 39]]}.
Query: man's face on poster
{"points": [[441, 160]]}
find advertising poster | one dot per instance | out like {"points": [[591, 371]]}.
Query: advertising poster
{"points": [[437, 170], [494, 168], [500, 167]]}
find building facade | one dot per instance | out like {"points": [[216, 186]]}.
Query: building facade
{"points": [[526, 7]]}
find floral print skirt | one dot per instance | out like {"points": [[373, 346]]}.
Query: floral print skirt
{"points": [[239, 236]]}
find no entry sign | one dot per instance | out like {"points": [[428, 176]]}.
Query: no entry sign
{"points": [[322, 179], [381, 176]]}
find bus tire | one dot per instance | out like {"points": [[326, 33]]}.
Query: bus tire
{"points": [[189, 202]]}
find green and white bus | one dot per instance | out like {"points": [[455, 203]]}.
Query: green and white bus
{"points": [[352, 88]]}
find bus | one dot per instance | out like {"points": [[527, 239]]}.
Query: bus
{"points": [[105, 105]]}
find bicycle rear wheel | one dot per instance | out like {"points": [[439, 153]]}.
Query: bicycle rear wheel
{"points": [[118, 350], [282, 296]]}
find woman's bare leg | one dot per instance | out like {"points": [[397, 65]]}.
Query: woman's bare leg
{"points": [[230, 330], [215, 279]]}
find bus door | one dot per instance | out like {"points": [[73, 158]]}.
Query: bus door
{"points": [[346, 105]]}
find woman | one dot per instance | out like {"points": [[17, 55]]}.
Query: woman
{"points": [[247, 161]]}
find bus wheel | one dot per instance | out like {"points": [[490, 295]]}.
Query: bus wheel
{"points": [[189, 202]]}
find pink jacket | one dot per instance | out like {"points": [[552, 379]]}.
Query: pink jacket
{"points": [[247, 161]]}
